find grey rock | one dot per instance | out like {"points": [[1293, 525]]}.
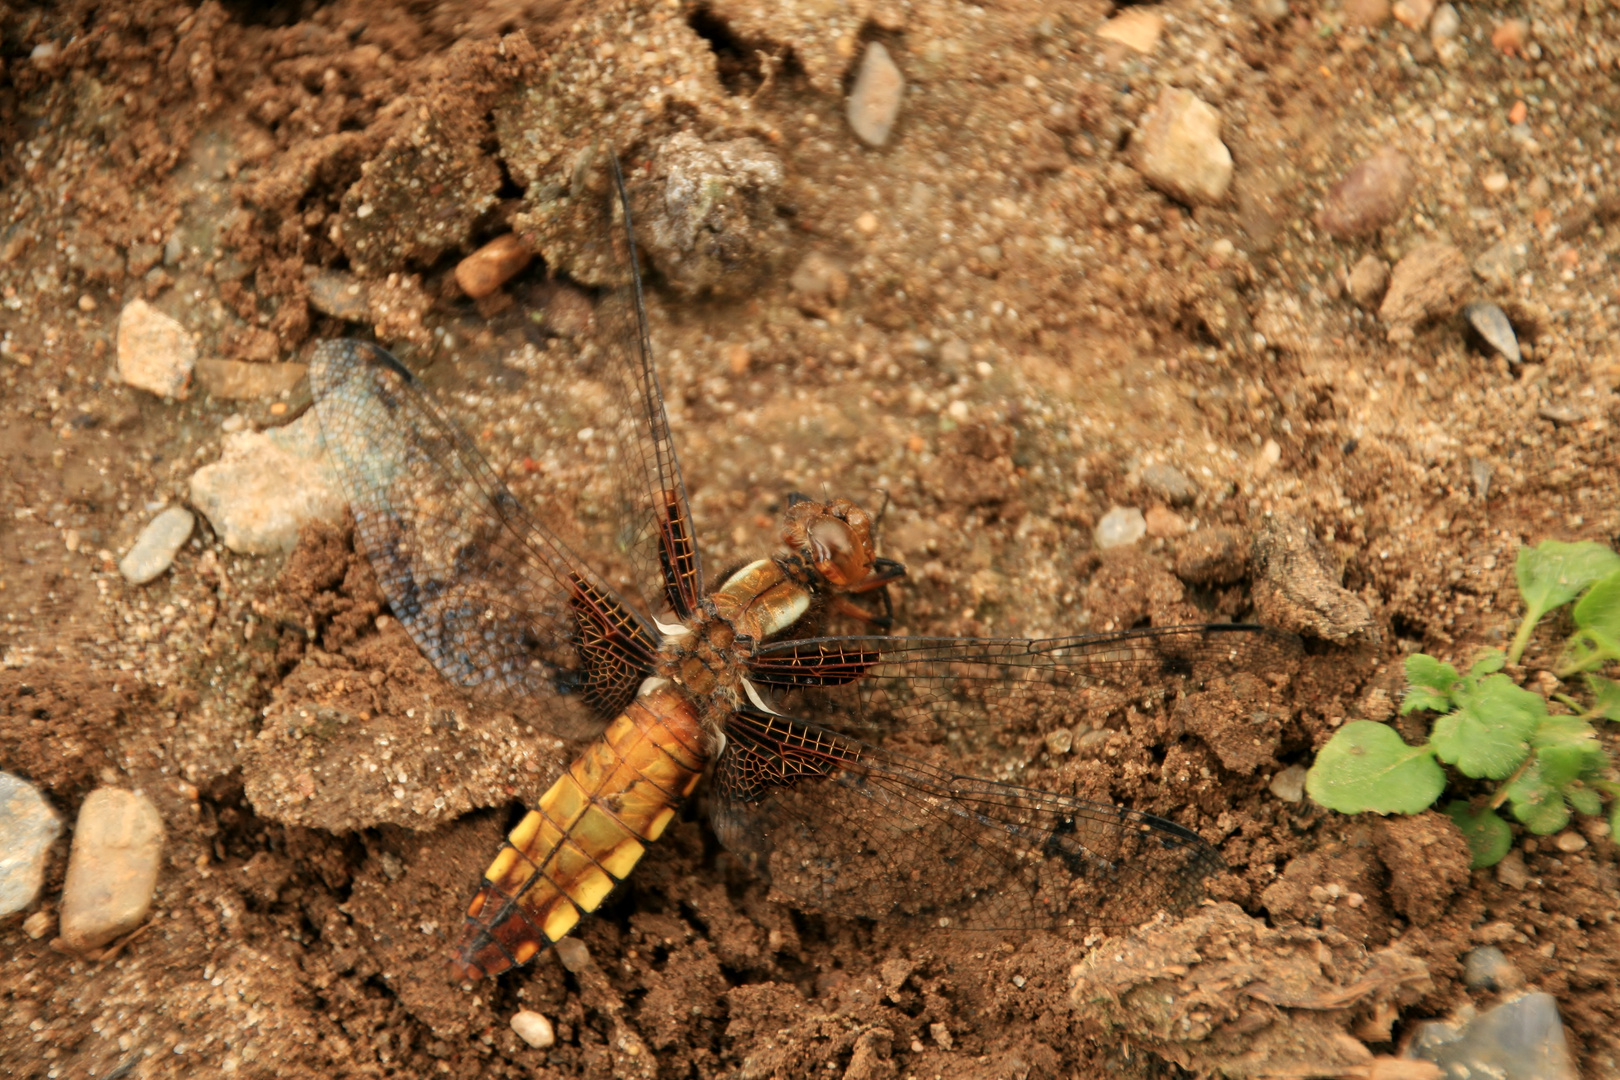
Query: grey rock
{"points": [[874, 103], [707, 216], [112, 870], [28, 828], [574, 954], [1488, 968], [1297, 585], [1368, 280], [154, 550], [266, 485], [1522, 1039], [1121, 526], [1170, 484], [1179, 149], [155, 353], [1491, 324]]}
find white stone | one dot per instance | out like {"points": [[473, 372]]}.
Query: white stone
{"points": [[1135, 27], [266, 485], [874, 103], [533, 1029], [112, 870], [155, 353], [28, 828], [1122, 525], [1289, 784], [154, 550], [1179, 149]]}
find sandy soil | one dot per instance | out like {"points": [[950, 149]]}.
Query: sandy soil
{"points": [[1028, 327]]}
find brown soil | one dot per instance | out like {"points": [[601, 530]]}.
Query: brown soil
{"points": [[1028, 327]]}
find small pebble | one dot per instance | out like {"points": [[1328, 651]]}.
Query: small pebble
{"points": [[1511, 37], [28, 828], [1170, 484], [493, 265], [1179, 149], [1271, 11], [1164, 523], [1368, 280], [340, 295], [1495, 183], [112, 869], [1059, 741], [266, 485], [941, 1034], [1368, 13], [38, 924], [1445, 25], [154, 550], [1428, 283], [819, 284], [1488, 968], [1412, 14], [1289, 784], [87, 303], [1518, 113], [1370, 196], [1119, 527], [1137, 28], [573, 954], [1511, 871], [1479, 474], [1501, 263], [533, 1029], [1570, 842], [874, 103], [867, 223], [1492, 327], [155, 353]]}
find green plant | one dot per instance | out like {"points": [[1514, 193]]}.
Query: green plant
{"points": [[1544, 764]]}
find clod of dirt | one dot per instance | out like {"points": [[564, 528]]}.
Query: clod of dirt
{"points": [[112, 871], [1130, 585], [1428, 862], [1296, 585], [1214, 556], [1428, 283], [707, 216], [1371, 195], [1368, 281], [421, 196], [1222, 993], [1236, 721], [1337, 887]]}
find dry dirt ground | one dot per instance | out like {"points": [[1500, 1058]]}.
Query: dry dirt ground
{"points": [[1028, 327]]}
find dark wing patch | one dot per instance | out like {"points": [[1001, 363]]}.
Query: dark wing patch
{"points": [[489, 595]]}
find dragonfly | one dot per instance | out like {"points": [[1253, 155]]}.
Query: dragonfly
{"points": [[668, 682]]}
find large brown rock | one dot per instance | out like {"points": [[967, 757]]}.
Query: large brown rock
{"points": [[1429, 283]]}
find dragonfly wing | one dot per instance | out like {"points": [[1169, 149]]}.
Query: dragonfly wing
{"points": [[875, 682], [855, 830], [491, 597], [652, 516]]}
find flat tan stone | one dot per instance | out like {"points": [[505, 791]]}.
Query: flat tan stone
{"points": [[1136, 28], [491, 266], [238, 380], [112, 870], [155, 353]]}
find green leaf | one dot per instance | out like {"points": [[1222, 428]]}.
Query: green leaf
{"points": [[1554, 573], [1584, 800], [1366, 766], [1605, 696], [1537, 793], [1429, 683], [1489, 734], [1488, 836], [1569, 734], [1599, 610], [1614, 819], [1491, 660]]}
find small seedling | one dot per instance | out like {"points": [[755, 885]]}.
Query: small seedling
{"points": [[1544, 764]]}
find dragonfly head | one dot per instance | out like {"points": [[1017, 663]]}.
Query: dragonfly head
{"points": [[836, 538]]}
